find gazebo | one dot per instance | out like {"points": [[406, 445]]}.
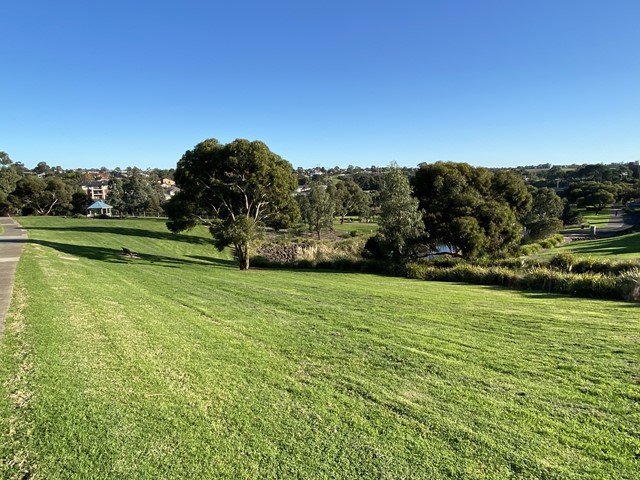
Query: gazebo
{"points": [[99, 208]]}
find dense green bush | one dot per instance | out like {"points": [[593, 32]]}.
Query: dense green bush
{"points": [[563, 261], [541, 278], [602, 265], [530, 249], [629, 284]]}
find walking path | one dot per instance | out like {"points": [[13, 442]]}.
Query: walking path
{"points": [[618, 224], [11, 241]]}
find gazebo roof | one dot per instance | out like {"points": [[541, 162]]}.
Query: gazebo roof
{"points": [[99, 204]]}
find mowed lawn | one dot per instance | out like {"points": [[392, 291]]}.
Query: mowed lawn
{"points": [[350, 225], [622, 247], [178, 365], [600, 219]]}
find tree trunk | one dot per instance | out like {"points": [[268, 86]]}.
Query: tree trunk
{"points": [[242, 252]]}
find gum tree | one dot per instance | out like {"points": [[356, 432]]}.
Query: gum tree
{"points": [[472, 210], [400, 217], [235, 189]]}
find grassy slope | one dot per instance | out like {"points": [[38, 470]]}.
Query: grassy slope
{"points": [[600, 220], [351, 225], [624, 246], [589, 217], [177, 365]]}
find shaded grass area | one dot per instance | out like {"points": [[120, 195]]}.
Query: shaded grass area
{"points": [[178, 365], [601, 219], [624, 246]]}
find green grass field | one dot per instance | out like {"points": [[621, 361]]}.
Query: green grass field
{"points": [[362, 228], [624, 246], [589, 217], [178, 365], [599, 220], [350, 225]]}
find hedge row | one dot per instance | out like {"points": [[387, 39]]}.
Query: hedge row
{"points": [[565, 262], [625, 286], [551, 242]]}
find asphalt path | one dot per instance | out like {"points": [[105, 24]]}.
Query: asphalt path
{"points": [[11, 242], [618, 225]]}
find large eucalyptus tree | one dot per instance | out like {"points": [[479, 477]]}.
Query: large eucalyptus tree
{"points": [[236, 189]]}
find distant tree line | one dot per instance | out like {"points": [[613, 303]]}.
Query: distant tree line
{"points": [[46, 190], [241, 188]]}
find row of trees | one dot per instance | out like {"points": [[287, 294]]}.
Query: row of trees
{"points": [[136, 192], [54, 191], [462, 210], [241, 187]]}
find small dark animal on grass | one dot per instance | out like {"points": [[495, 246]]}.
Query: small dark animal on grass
{"points": [[128, 253]]}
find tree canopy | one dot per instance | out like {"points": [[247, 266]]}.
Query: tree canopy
{"points": [[544, 217], [350, 199], [471, 210], [135, 193], [235, 189], [317, 208], [400, 220], [42, 196]]}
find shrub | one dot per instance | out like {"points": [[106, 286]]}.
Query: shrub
{"points": [[446, 261], [629, 285], [547, 280], [547, 243], [376, 247], [563, 261], [588, 264], [421, 271], [624, 266], [530, 249], [304, 263]]}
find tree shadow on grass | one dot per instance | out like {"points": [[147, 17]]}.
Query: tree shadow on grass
{"points": [[112, 255], [13, 240], [623, 245], [543, 295], [131, 232], [222, 262]]}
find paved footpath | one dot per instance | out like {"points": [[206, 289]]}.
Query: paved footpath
{"points": [[11, 241]]}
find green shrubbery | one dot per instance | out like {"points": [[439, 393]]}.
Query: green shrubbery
{"points": [[563, 273], [551, 242], [555, 277], [569, 263]]}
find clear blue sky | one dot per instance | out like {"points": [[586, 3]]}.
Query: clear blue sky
{"points": [[488, 82]]}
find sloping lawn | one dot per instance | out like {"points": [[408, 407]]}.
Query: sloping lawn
{"points": [[178, 365], [624, 246], [600, 220], [350, 225]]}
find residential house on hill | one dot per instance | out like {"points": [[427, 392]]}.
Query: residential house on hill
{"points": [[97, 190]]}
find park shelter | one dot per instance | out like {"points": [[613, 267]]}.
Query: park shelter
{"points": [[99, 208]]}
